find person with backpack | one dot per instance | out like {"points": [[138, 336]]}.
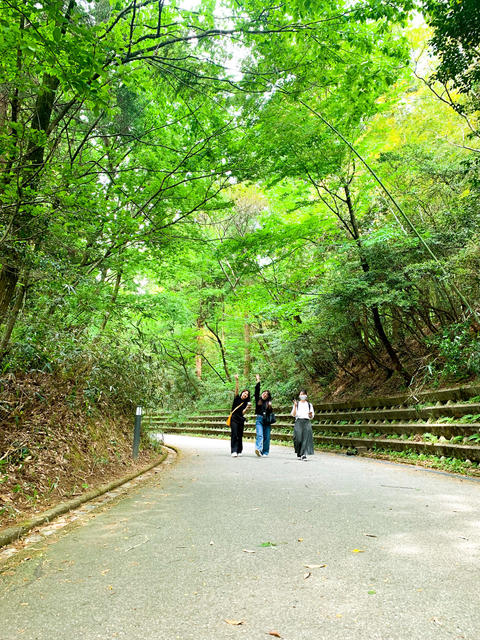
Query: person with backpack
{"points": [[303, 413], [264, 420]]}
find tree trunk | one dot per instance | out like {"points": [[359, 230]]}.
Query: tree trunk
{"points": [[27, 176], [397, 334], [198, 357], [247, 362], [369, 350], [113, 300], [222, 352], [377, 321], [21, 290], [8, 282]]}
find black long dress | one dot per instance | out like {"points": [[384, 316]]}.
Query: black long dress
{"points": [[237, 424]]}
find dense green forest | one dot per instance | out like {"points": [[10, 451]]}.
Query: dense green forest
{"points": [[192, 189]]}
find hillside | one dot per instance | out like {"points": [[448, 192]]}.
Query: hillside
{"points": [[52, 447]]}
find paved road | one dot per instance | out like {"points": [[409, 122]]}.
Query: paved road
{"points": [[394, 553]]}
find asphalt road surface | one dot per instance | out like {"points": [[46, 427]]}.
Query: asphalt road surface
{"points": [[249, 548]]}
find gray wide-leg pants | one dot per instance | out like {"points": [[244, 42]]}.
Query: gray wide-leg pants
{"points": [[303, 437]]}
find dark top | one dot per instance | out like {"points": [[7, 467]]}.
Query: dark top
{"points": [[238, 416], [262, 407]]}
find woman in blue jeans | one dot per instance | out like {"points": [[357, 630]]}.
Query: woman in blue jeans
{"points": [[263, 411]]}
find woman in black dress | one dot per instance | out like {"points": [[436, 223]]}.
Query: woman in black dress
{"points": [[241, 403]]}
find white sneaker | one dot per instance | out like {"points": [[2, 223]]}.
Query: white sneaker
{"points": [[234, 454], [240, 454], [257, 452]]}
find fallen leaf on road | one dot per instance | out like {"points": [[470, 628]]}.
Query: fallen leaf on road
{"points": [[314, 566], [300, 540], [307, 575], [358, 550], [275, 634], [211, 542], [105, 571], [370, 535], [248, 551], [235, 623]]}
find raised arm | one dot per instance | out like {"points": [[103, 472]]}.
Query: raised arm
{"points": [[236, 384], [257, 389]]}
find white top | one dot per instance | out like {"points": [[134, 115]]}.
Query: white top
{"points": [[303, 409]]}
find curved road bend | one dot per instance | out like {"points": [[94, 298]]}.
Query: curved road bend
{"points": [[393, 552]]}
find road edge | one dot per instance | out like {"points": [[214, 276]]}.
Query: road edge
{"points": [[11, 534]]}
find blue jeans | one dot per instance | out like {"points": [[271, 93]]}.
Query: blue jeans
{"points": [[262, 441]]}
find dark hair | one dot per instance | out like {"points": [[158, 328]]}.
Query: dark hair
{"points": [[269, 394], [243, 391], [302, 391]]}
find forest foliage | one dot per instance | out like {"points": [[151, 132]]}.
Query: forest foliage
{"points": [[194, 189]]}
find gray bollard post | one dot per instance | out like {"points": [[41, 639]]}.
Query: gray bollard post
{"points": [[136, 432]]}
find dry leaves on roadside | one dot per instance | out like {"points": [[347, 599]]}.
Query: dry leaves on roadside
{"points": [[307, 575], [358, 550], [235, 623], [248, 550], [275, 634], [314, 566]]}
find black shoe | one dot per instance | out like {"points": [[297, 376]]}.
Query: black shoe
{"points": [[304, 458]]}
